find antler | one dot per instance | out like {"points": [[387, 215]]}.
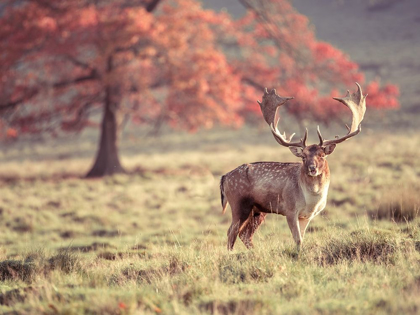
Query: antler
{"points": [[270, 105], [356, 102], [270, 102]]}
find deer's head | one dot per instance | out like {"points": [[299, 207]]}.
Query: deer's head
{"points": [[313, 156]]}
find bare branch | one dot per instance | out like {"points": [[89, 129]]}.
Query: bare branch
{"points": [[90, 77], [10, 105], [253, 83], [31, 94], [77, 62], [152, 5], [268, 21]]}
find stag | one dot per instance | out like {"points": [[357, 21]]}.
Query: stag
{"points": [[297, 191]]}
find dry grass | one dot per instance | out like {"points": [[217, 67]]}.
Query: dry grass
{"points": [[154, 241], [376, 246], [400, 204]]}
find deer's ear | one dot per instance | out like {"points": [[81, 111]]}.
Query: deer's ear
{"points": [[296, 151], [329, 148]]}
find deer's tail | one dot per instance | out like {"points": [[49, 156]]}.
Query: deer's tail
{"points": [[222, 194]]}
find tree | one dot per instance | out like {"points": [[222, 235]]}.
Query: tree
{"points": [[64, 60], [278, 49], [174, 63]]}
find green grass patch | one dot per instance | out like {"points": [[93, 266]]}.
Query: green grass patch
{"points": [[154, 241]]}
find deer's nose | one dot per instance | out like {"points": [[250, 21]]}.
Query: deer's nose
{"points": [[312, 168]]}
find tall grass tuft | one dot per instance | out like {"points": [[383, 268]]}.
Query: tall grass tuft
{"points": [[375, 246], [239, 307], [23, 270], [399, 205], [36, 264], [65, 261], [245, 267]]}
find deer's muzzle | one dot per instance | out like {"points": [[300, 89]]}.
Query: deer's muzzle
{"points": [[312, 170]]}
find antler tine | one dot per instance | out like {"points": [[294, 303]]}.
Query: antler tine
{"points": [[356, 102], [270, 104], [281, 138], [305, 136], [321, 139]]}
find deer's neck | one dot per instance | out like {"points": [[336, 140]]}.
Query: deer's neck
{"points": [[315, 184]]}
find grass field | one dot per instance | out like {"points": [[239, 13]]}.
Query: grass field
{"points": [[154, 241]]}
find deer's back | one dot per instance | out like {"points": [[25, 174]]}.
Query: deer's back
{"points": [[271, 186]]}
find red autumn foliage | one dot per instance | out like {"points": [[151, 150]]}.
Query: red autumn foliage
{"points": [[279, 50], [62, 61]]}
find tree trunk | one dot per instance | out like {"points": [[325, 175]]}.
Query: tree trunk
{"points": [[107, 160]]}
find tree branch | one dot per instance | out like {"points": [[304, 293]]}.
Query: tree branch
{"points": [[152, 5], [10, 105], [246, 5], [77, 62], [253, 83], [90, 77], [265, 21]]}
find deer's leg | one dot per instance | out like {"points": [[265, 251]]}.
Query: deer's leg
{"points": [[247, 232], [240, 216], [303, 224], [293, 223], [232, 235]]}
